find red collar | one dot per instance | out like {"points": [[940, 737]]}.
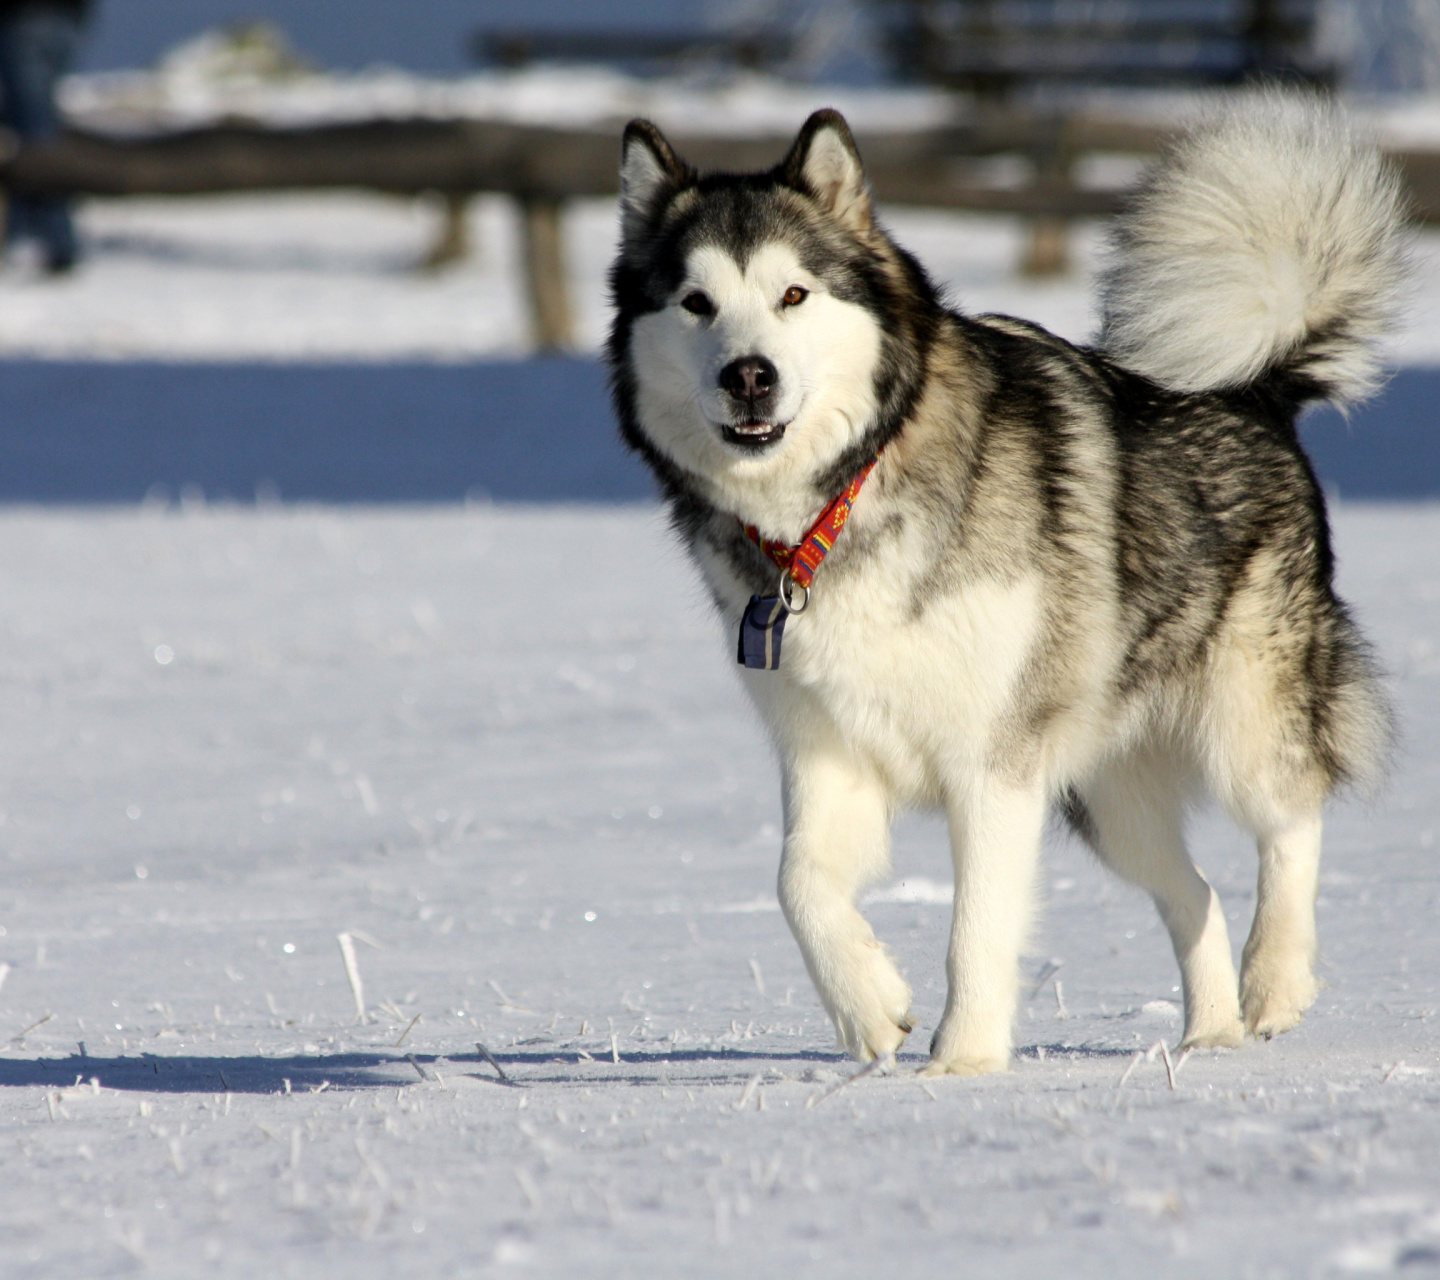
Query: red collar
{"points": [[802, 561]]}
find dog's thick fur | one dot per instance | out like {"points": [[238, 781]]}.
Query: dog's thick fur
{"points": [[1092, 579]]}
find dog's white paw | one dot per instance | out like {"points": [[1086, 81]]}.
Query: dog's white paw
{"points": [[872, 1018], [964, 1066], [963, 1047], [1215, 1024], [1215, 1035], [1275, 995]]}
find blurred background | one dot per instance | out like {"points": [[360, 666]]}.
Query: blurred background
{"points": [[353, 251]]}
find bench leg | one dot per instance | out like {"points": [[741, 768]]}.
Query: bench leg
{"points": [[545, 275], [1046, 251], [452, 240]]}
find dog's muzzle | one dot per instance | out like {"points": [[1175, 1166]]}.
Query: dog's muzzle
{"points": [[749, 383]]}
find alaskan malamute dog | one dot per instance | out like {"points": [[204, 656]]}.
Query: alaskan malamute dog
{"points": [[1092, 579]]}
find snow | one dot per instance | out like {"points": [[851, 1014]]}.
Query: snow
{"points": [[503, 750], [208, 80], [195, 93], [336, 277]]}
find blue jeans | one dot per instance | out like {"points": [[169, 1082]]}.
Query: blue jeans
{"points": [[36, 46]]}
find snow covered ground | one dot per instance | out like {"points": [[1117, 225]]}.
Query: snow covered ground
{"points": [[206, 80], [504, 751], [336, 277]]}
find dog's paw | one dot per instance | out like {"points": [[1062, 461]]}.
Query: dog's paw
{"points": [[1274, 999], [877, 1036], [876, 1040], [875, 1020], [1216, 1023], [963, 1066], [1226, 1035]]}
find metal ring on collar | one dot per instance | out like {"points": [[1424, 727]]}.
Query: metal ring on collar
{"points": [[788, 598]]}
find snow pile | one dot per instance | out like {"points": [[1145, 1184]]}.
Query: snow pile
{"points": [[200, 88], [250, 76]]}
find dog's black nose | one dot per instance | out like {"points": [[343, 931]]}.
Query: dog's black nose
{"points": [[749, 378]]}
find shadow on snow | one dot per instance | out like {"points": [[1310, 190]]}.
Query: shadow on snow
{"points": [[149, 1073]]}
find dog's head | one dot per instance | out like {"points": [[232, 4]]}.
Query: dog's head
{"points": [[758, 315]]}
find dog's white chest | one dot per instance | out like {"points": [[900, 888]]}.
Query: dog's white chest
{"points": [[913, 690]]}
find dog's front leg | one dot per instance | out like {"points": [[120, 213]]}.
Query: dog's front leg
{"points": [[995, 828], [837, 840]]}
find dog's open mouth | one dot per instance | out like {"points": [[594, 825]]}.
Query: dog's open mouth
{"points": [[754, 434]]}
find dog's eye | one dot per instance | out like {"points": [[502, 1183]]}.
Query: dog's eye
{"points": [[794, 296], [698, 304]]}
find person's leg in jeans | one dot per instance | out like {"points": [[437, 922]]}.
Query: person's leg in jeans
{"points": [[36, 46]]}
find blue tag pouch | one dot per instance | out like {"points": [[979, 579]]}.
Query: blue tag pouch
{"points": [[761, 628]]}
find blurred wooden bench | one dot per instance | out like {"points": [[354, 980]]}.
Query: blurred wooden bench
{"points": [[1020, 52], [543, 168], [639, 51], [1007, 49]]}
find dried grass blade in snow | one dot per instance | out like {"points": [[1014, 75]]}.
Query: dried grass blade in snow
{"points": [[352, 973], [614, 1048], [414, 1062], [4, 973], [39, 1022], [1135, 1061], [870, 1068], [1050, 969], [1169, 1066], [758, 976], [508, 1004], [532, 1192], [1183, 1058], [748, 1091], [490, 1058], [367, 794], [407, 1030], [371, 1166]]}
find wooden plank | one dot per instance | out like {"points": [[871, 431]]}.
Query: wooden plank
{"points": [[518, 47], [408, 156], [401, 156], [472, 156]]}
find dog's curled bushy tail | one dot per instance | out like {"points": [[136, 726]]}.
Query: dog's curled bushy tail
{"points": [[1267, 247]]}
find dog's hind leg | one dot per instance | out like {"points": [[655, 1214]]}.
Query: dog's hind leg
{"points": [[1277, 975], [1292, 708], [837, 840], [1133, 817], [995, 829]]}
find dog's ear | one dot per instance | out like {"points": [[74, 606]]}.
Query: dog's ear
{"points": [[650, 172], [824, 164]]}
